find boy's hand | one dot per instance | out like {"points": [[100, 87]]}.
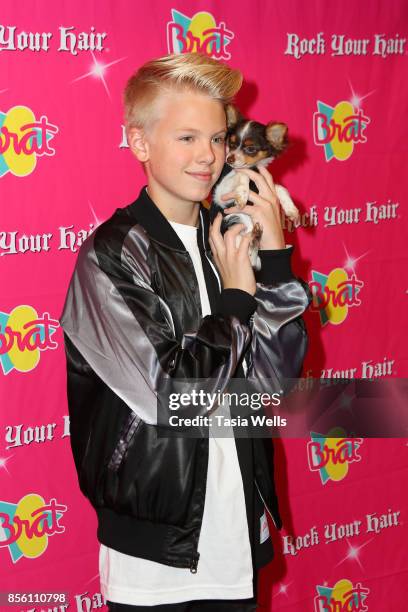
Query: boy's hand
{"points": [[233, 263], [265, 209]]}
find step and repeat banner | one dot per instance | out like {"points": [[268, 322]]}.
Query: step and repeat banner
{"points": [[336, 74]]}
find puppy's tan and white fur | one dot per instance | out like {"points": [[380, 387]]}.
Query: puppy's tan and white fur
{"points": [[249, 144]]}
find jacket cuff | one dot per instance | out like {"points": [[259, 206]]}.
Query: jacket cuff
{"points": [[276, 265], [236, 302]]}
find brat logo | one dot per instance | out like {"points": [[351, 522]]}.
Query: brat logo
{"points": [[26, 526], [333, 294], [343, 597], [332, 456], [198, 34], [23, 139], [23, 334], [337, 129]]}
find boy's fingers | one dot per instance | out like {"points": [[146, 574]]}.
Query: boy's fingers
{"points": [[216, 223], [243, 249], [258, 178], [268, 177], [215, 234], [231, 235], [233, 231], [248, 210], [244, 244]]}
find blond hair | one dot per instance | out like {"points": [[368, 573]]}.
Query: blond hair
{"points": [[176, 72]]}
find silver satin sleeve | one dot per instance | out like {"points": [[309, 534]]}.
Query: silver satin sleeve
{"points": [[279, 343], [109, 336]]}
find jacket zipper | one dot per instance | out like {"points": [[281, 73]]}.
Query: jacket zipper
{"points": [[194, 562], [206, 256], [266, 506]]}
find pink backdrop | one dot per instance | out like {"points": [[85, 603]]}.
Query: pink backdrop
{"points": [[336, 74]]}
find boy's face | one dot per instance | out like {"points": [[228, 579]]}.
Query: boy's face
{"points": [[188, 137]]}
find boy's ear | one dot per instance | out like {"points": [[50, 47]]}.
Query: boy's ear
{"points": [[138, 144], [233, 115]]}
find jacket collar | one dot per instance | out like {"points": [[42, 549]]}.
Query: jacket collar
{"points": [[145, 212]]}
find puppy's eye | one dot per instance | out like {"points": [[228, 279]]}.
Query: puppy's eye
{"points": [[250, 150]]}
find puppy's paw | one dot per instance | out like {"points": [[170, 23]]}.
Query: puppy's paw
{"points": [[232, 218], [241, 197], [292, 212], [287, 203], [257, 232], [254, 257], [254, 247]]}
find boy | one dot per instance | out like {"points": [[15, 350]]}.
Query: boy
{"points": [[157, 296]]}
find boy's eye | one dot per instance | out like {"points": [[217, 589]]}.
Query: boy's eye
{"points": [[220, 139]]}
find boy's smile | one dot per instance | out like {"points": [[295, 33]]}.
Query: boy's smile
{"points": [[184, 152]]}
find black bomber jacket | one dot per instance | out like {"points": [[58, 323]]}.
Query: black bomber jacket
{"points": [[132, 323]]}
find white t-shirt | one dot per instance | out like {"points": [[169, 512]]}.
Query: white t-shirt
{"points": [[224, 569]]}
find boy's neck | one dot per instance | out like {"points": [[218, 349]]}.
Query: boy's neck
{"points": [[186, 212]]}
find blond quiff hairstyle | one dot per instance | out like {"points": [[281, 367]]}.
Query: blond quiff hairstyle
{"points": [[176, 72]]}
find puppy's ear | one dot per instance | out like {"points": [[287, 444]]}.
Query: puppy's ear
{"points": [[233, 115], [277, 134]]}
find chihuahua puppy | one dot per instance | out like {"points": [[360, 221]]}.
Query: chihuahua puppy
{"points": [[249, 144]]}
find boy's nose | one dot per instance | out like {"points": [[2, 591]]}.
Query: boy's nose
{"points": [[206, 154]]}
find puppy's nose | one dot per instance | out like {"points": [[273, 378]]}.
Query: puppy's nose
{"points": [[230, 159]]}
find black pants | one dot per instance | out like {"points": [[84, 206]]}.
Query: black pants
{"points": [[203, 605]]}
